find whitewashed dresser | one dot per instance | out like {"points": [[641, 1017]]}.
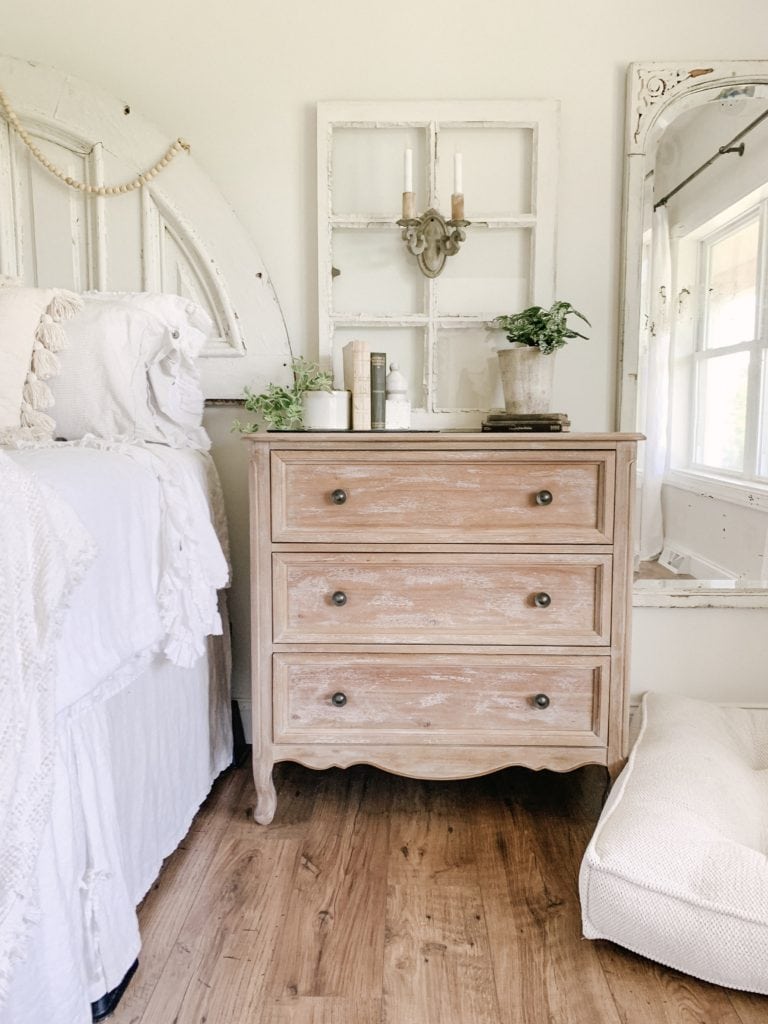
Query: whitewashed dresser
{"points": [[440, 605]]}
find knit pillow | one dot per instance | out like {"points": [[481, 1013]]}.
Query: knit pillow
{"points": [[30, 336]]}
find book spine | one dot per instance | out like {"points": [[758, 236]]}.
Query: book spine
{"points": [[357, 379], [511, 417], [378, 390]]}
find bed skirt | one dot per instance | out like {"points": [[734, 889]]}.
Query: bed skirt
{"points": [[130, 775]]}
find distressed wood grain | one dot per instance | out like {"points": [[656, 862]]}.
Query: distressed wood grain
{"points": [[470, 599], [423, 495], [373, 558]]}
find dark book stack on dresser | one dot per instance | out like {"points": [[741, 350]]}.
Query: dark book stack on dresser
{"points": [[527, 423]]}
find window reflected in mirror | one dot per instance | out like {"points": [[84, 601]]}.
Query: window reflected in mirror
{"points": [[701, 391]]}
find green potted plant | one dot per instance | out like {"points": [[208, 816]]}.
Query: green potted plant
{"points": [[527, 368], [297, 407]]}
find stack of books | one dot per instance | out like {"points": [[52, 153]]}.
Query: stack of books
{"points": [[529, 423], [365, 375]]}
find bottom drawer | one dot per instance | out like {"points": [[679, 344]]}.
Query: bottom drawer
{"points": [[478, 699]]}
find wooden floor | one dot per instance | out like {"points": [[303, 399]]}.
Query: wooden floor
{"points": [[373, 899], [654, 571]]}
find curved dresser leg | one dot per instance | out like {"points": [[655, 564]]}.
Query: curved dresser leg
{"points": [[266, 797]]}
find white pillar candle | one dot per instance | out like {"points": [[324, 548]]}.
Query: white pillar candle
{"points": [[458, 182], [408, 169]]}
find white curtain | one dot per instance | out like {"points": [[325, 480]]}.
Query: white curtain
{"points": [[656, 409]]}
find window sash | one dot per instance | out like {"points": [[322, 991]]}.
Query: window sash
{"points": [[754, 466]]}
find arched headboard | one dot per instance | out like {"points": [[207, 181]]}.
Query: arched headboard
{"points": [[176, 234]]}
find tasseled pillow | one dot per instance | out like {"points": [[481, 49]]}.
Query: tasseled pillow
{"points": [[30, 336]]}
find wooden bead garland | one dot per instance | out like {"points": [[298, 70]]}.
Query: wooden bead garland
{"points": [[97, 190]]}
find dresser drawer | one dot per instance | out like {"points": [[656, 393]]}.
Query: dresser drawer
{"points": [[456, 497], [484, 700], [420, 599]]}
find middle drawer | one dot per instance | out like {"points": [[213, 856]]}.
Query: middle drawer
{"points": [[450, 599]]}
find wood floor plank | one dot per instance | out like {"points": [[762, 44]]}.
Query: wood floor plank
{"points": [[543, 971], [645, 991], [162, 915], [331, 941], [321, 1010], [430, 835], [437, 961], [751, 1008], [694, 1000], [240, 905]]}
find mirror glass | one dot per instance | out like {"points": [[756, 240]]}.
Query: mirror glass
{"points": [[694, 375]]}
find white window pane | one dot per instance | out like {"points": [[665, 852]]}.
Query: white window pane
{"points": [[402, 345], [722, 411], [732, 296], [467, 369], [368, 170], [377, 274], [497, 166], [490, 275]]}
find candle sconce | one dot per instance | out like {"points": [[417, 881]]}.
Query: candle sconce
{"points": [[431, 238]]}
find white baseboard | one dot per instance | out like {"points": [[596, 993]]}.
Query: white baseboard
{"points": [[679, 559]]}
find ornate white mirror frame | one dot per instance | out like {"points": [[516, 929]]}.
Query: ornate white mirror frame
{"points": [[657, 93]]}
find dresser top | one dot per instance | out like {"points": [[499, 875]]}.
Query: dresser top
{"points": [[442, 439]]}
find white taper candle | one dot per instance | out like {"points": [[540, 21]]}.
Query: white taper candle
{"points": [[408, 169], [458, 182]]}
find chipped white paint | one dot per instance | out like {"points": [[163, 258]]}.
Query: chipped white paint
{"points": [[177, 235], [657, 93], [533, 273]]}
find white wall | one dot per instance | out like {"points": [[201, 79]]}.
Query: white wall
{"points": [[708, 653], [240, 79]]}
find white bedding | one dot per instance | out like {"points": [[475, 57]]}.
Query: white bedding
{"points": [[44, 553], [160, 563], [147, 517]]}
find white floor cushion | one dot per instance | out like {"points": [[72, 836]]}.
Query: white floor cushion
{"points": [[677, 869]]}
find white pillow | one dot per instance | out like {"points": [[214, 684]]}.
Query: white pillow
{"points": [[677, 869], [129, 370], [30, 335]]}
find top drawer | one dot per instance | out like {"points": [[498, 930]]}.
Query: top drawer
{"points": [[457, 497]]}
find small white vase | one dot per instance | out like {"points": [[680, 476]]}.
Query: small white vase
{"points": [[526, 379], [326, 410]]}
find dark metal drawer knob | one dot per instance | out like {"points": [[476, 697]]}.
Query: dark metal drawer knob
{"points": [[541, 700], [339, 598], [544, 498], [339, 700], [338, 497], [542, 600]]}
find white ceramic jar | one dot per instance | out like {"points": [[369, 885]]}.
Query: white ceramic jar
{"points": [[327, 410]]}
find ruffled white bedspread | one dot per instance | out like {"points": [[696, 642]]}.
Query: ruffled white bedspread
{"points": [[109, 555], [44, 553]]}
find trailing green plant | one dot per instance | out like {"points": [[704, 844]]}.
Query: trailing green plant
{"points": [[280, 407], [546, 329]]}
